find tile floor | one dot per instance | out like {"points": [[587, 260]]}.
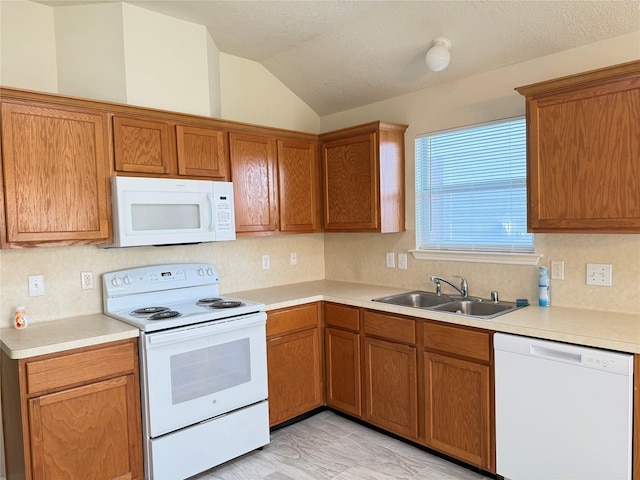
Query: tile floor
{"points": [[328, 446]]}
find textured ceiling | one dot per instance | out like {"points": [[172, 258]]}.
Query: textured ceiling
{"points": [[337, 55]]}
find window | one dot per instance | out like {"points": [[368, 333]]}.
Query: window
{"points": [[471, 189]]}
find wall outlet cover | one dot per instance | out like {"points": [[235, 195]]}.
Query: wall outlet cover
{"points": [[557, 270], [599, 274], [402, 261]]}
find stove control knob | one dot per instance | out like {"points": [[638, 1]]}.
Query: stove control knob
{"points": [[201, 271], [116, 282], [128, 279], [210, 271]]}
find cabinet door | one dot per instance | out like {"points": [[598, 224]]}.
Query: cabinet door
{"points": [[391, 392], [458, 408], [295, 375], [143, 146], [56, 175], [342, 370], [298, 186], [583, 148], [202, 152], [90, 432], [252, 159], [350, 184]]}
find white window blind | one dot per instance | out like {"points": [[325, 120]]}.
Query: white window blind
{"points": [[471, 189]]}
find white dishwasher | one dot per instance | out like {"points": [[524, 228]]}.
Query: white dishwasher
{"points": [[563, 412]]}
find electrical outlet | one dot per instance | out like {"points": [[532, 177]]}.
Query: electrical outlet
{"points": [[599, 274], [87, 280], [293, 258], [557, 270], [391, 260], [36, 285], [266, 262], [402, 261]]}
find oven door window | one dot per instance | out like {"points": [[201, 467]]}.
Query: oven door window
{"points": [[210, 370], [193, 374]]}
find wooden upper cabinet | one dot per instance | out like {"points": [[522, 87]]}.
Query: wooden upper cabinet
{"points": [[55, 163], [253, 163], [143, 146], [202, 152], [298, 186], [164, 148], [276, 184], [363, 174], [583, 146]]}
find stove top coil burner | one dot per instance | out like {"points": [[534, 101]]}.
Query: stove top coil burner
{"points": [[208, 301], [164, 315], [226, 304], [149, 310]]}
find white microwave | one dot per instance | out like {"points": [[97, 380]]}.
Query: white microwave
{"points": [[168, 211]]}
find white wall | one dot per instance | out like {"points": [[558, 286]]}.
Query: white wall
{"points": [[484, 97], [90, 51], [251, 94], [166, 62], [27, 46]]}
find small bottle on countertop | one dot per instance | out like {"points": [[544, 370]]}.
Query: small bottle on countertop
{"points": [[544, 293], [20, 318]]}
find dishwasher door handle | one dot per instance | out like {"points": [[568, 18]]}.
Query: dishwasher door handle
{"points": [[555, 354]]}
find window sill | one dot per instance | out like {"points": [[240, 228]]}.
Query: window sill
{"points": [[478, 257]]}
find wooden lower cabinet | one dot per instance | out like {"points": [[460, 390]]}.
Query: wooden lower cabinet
{"points": [[294, 362], [458, 393], [391, 373], [74, 415], [343, 386], [391, 389]]}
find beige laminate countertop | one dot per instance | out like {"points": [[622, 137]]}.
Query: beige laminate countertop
{"points": [[60, 335], [615, 331]]}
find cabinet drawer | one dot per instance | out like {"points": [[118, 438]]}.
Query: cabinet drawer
{"points": [[347, 318], [291, 319], [74, 368], [390, 327], [458, 341]]}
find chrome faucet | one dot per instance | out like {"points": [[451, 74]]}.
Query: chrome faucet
{"points": [[464, 286]]}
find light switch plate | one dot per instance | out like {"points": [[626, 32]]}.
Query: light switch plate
{"points": [[391, 260], [36, 285]]}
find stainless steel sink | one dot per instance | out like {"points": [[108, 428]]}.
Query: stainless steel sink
{"points": [[475, 307], [417, 299]]}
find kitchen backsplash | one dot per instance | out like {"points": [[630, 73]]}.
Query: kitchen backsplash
{"points": [[347, 257], [239, 265]]}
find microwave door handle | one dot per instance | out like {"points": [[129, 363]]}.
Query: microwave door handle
{"points": [[211, 212]]}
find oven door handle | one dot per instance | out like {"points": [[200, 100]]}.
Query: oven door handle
{"points": [[201, 331], [173, 337]]}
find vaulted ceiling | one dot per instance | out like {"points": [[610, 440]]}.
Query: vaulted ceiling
{"points": [[337, 55]]}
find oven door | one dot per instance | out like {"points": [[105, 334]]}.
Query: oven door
{"points": [[195, 373]]}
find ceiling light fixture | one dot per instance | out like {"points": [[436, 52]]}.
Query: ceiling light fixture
{"points": [[438, 56]]}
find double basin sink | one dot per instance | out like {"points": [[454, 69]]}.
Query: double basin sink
{"points": [[467, 306]]}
